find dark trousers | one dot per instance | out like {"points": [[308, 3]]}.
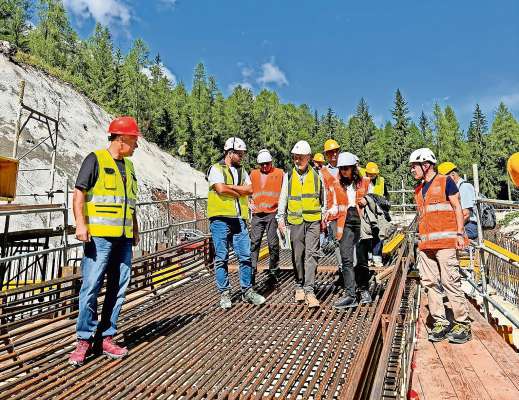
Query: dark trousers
{"points": [[356, 274], [261, 223], [304, 239]]}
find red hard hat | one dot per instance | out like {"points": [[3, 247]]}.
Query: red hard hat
{"points": [[124, 126]]}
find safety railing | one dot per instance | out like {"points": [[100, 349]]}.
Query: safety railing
{"points": [[498, 266], [42, 256]]}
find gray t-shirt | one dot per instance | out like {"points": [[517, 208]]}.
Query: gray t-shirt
{"points": [[467, 197], [216, 176]]}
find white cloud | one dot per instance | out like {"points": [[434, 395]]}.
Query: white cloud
{"points": [[490, 103], [271, 73], [244, 85], [165, 70], [247, 72], [106, 12]]}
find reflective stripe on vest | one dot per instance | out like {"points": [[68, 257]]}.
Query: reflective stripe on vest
{"points": [[437, 225], [266, 189], [225, 206], [303, 198], [110, 203]]}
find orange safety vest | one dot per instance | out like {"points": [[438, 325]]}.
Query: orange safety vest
{"points": [[437, 227], [265, 197], [331, 185], [342, 202]]}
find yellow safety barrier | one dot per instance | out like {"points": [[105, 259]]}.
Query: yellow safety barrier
{"points": [[501, 250], [393, 244], [168, 274], [15, 285]]}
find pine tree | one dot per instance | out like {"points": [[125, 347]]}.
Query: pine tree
{"points": [[362, 130], [398, 149], [100, 63], [477, 130], [53, 39], [426, 131], [14, 22]]}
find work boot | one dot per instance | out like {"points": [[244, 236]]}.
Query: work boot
{"points": [[83, 348], [439, 332], [112, 350], [346, 302], [460, 333], [365, 297], [225, 300], [300, 295], [272, 279], [250, 296], [311, 301]]}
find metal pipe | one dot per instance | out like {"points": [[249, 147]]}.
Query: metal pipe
{"points": [[18, 118], [37, 253], [482, 254], [486, 297], [31, 211]]}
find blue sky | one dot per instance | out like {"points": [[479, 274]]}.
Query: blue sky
{"points": [[330, 53]]}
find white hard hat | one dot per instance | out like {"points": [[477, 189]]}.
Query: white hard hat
{"points": [[346, 159], [264, 156], [235, 143], [422, 155], [302, 147]]}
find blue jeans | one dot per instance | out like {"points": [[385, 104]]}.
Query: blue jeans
{"points": [[471, 229], [113, 257], [226, 231]]}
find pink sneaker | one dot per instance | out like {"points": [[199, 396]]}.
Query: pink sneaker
{"points": [[77, 357], [112, 350]]}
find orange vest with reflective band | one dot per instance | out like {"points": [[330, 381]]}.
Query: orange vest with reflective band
{"points": [[342, 201], [437, 226], [331, 183], [265, 197]]}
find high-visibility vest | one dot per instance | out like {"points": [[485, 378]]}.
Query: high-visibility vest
{"points": [[361, 190], [437, 227], [110, 203], [225, 206], [265, 195], [304, 198], [331, 182], [379, 186]]}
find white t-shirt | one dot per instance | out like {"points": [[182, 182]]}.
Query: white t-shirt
{"points": [[467, 197], [350, 192], [216, 176]]}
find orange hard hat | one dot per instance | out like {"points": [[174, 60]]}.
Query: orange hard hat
{"points": [[124, 126], [513, 168]]}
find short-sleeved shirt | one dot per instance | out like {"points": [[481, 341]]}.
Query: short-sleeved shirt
{"points": [[89, 172], [215, 175], [450, 187], [467, 197]]}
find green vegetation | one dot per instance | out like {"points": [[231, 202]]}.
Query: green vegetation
{"points": [[193, 125]]}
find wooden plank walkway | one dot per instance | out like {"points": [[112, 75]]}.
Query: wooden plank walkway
{"points": [[484, 368]]}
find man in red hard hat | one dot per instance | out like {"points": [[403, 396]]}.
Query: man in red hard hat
{"points": [[104, 208]]}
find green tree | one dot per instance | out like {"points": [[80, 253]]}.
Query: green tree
{"points": [[14, 17], [475, 135], [53, 39], [426, 131], [398, 150], [362, 130]]}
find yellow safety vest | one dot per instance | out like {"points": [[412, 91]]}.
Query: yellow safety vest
{"points": [[110, 204], [225, 206], [378, 188], [303, 198]]}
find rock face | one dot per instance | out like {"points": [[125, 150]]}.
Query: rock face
{"points": [[82, 129]]}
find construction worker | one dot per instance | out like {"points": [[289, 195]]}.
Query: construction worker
{"points": [[266, 188], [467, 197], [440, 229], [512, 167], [104, 201], [302, 196], [349, 195], [377, 183], [318, 161], [377, 186], [227, 210], [330, 174]]}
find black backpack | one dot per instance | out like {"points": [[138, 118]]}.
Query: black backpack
{"points": [[487, 215]]}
